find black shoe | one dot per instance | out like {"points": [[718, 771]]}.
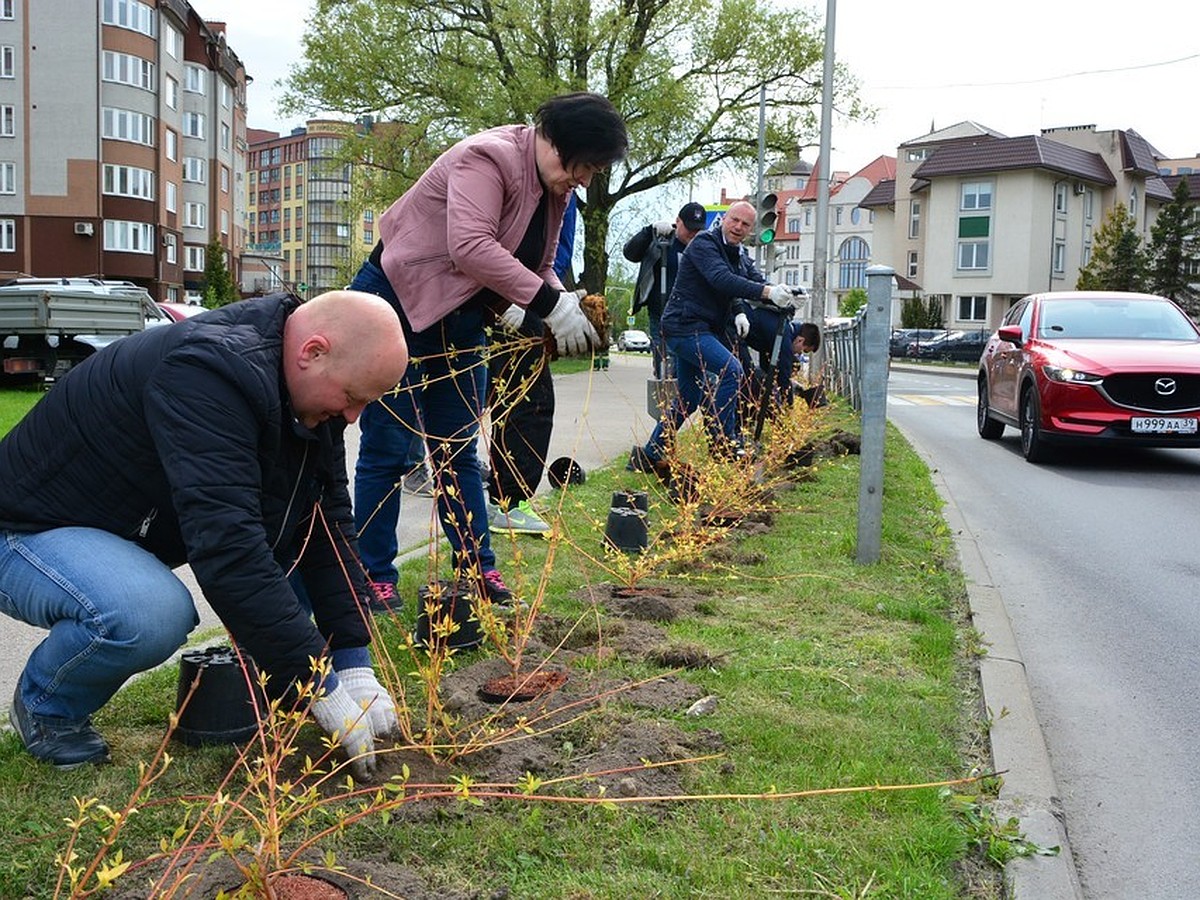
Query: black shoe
{"points": [[495, 589], [640, 461], [61, 742]]}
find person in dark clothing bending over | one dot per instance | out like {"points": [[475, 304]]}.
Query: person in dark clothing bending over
{"points": [[216, 442]]}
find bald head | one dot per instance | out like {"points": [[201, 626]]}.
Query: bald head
{"points": [[341, 350], [738, 222]]}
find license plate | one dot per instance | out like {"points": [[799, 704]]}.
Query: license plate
{"points": [[1162, 425]]}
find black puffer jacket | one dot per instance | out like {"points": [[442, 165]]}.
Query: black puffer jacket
{"points": [[182, 440]]}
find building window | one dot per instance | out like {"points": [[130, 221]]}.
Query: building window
{"points": [[194, 169], [912, 263], [8, 177], [193, 258], [127, 125], [974, 233], [972, 255], [128, 237], [808, 217], [193, 124], [972, 308], [226, 95], [225, 135], [129, 181], [195, 215], [804, 276], [172, 248], [8, 61], [195, 79], [6, 9], [837, 215], [125, 68], [976, 195], [224, 221], [1133, 201], [1060, 257], [172, 42], [8, 120], [171, 145], [224, 180], [8, 235], [171, 92], [1089, 198], [918, 154], [855, 215], [914, 219], [130, 14], [852, 263], [171, 191], [1060, 198]]}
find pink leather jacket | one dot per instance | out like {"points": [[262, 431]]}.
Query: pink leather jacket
{"points": [[455, 231]]}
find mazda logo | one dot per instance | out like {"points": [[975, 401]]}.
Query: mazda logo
{"points": [[1164, 387]]}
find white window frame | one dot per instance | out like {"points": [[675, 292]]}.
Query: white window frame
{"points": [[975, 196], [194, 125], [8, 120], [972, 308], [912, 263], [128, 125], [226, 93], [226, 134], [172, 41], [1060, 256], [195, 169], [128, 181], [8, 235], [224, 221], [130, 14], [193, 258], [125, 68], [1060, 198], [224, 179], [171, 92], [171, 196], [195, 79], [973, 255], [8, 177], [128, 237], [6, 9], [195, 215], [914, 219], [171, 145], [8, 61], [170, 248]]}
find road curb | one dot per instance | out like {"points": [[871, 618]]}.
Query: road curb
{"points": [[1029, 790]]}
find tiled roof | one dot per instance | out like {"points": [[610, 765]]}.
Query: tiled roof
{"points": [[1157, 189], [968, 129], [1193, 183], [906, 284], [1006, 154], [883, 194], [1137, 155], [876, 170]]}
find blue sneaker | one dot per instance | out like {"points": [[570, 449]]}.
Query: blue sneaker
{"points": [[63, 743]]}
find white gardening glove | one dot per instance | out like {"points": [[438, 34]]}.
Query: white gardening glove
{"points": [[369, 694], [782, 295], [742, 323], [340, 716], [513, 317], [573, 333], [664, 229]]}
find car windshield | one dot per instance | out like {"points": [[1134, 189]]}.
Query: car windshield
{"points": [[1119, 319]]}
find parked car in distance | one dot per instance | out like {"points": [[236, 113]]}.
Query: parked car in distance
{"points": [[180, 311], [634, 340], [1092, 367], [902, 338], [951, 346]]}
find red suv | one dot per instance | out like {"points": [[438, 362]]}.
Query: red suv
{"points": [[1092, 366]]}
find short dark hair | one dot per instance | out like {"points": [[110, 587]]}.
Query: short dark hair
{"points": [[584, 128], [810, 333]]}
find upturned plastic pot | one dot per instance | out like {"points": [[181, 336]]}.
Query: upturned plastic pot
{"points": [[451, 601], [626, 529], [222, 708], [564, 471]]}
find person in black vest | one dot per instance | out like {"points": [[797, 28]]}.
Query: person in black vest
{"points": [[215, 442]]}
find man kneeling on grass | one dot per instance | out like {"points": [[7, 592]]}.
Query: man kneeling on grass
{"points": [[215, 442]]}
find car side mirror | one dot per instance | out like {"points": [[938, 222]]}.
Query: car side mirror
{"points": [[1012, 334]]}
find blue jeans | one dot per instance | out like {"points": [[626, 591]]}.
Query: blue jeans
{"points": [[445, 382], [709, 376], [112, 610]]}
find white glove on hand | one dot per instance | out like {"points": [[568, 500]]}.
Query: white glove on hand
{"points": [[340, 716], [513, 317], [369, 694], [781, 295], [573, 333], [742, 324], [664, 229]]}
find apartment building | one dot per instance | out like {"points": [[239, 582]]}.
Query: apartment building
{"points": [[122, 133], [305, 225], [979, 220]]}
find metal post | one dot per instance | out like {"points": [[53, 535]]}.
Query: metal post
{"points": [[874, 412], [824, 173], [759, 187]]}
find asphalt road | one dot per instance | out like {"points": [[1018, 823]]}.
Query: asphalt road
{"points": [[1096, 559]]}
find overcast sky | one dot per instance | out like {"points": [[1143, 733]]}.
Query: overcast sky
{"points": [[1028, 65]]}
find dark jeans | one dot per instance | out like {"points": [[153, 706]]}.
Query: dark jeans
{"points": [[709, 376], [445, 383], [521, 398]]}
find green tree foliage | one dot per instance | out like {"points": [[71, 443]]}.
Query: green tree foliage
{"points": [[1174, 244], [219, 286], [685, 74], [1118, 261], [918, 313], [852, 301]]}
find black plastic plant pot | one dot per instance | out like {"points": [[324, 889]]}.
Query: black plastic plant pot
{"points": [[626, 530], [564, 471], [638, 500], [452, 602], [221, 710]]}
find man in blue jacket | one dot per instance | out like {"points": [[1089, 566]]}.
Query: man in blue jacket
{"points": [[215, 442], [716, 275]]}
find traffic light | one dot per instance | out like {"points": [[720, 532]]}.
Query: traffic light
{"points": [[764, 226]]}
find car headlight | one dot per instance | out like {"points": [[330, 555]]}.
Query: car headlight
{"points": [[1070, 376]]}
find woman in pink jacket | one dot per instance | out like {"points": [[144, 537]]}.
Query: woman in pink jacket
{"points": [[473, 236]]}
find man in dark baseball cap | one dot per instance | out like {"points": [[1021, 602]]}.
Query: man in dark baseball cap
{"points": [[693, 216]]}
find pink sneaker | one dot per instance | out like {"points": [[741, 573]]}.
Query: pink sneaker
{"points": [[383, 599], [495, 588]]}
